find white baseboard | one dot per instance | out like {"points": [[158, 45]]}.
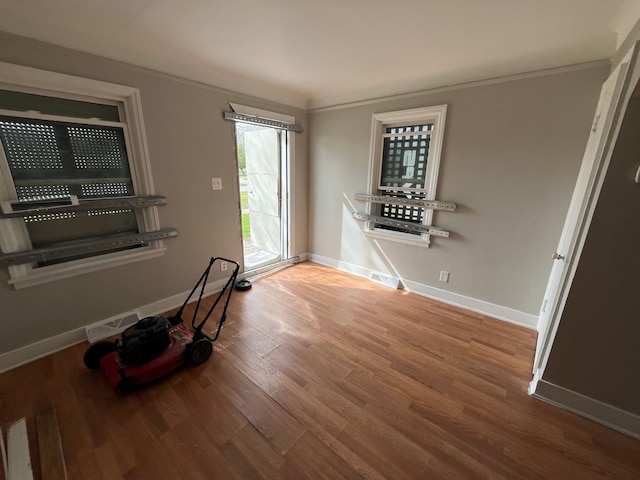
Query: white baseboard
{"points": [[600, 412], [507, 314], [480, 306], [533, 385], [34, 351], [340, 265]]}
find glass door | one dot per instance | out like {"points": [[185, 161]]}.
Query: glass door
{"points": [[262, 167]]}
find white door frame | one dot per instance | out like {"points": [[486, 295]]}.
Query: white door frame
{"points": [[287, 174], [614, 97]]}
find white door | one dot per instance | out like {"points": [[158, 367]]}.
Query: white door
{"points": [[595, 161], [263, 177]]}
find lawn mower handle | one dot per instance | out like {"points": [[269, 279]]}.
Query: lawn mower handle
{"points": [[226, 289]]}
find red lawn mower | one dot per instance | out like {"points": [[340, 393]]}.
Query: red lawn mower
{"points": [[155, 346]]}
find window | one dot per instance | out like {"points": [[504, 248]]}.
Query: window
{"points": [[62, 136], [404, 164]]}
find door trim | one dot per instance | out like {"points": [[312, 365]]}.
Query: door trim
{"points": [[286, 181], [585, 207]]}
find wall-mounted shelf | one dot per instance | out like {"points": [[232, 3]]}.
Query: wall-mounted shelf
{"points": [[85, 205], [407, 226], [81, 247], [431, 204]]}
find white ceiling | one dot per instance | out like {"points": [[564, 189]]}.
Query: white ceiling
{"points": [[314, 53]]}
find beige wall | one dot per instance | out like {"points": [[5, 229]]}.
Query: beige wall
{"points": [[596, 351], [188, 144], [511, 155]]}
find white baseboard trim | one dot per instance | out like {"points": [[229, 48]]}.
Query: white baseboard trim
{"points": [[533, 385], [600, 412], [480, 306], [34, 351], [42, 348], [339, 265]]}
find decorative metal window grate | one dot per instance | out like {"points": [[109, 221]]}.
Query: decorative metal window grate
{"points": [[119, 189], [82, 160], [97, 148], [43, 217], [402, 212], [50, 158], [405, 156], [29, 145], [35, 191], [93, 213]]}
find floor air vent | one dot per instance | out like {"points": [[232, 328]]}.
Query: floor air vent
{"points": [[106, 329], [385, 279]]}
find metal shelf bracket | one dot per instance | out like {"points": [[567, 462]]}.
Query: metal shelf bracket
{"points": [[407, 226], [81, 247], [431, 204], [85, 205]]}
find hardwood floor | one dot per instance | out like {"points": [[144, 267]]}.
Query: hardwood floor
{"points": [[321, 375]]}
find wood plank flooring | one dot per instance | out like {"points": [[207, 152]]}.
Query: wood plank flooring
{"points": [[322, 375]]}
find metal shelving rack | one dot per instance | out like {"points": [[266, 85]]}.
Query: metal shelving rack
{"points": [[401, 224], [82, 247]]}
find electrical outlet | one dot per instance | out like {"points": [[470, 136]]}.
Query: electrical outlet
{"points": [[223, 266], [216, 184], [444, 276]]}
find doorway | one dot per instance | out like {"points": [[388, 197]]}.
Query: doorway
{"points": [[262, 156], [614, 96]]}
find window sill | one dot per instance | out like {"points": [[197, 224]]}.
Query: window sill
{"points": [[88, 265], [399, 237]]}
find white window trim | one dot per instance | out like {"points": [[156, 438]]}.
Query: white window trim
{"points": [[436, 115], [13, 231]]}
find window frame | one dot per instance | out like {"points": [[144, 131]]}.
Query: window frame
{"points": [[380, 121], [13, 232]]}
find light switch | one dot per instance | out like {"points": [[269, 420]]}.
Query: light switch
{"points": [[216, 184]]}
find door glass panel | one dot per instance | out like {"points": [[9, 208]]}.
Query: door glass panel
{"points": [[259, 167]]}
